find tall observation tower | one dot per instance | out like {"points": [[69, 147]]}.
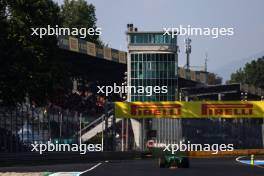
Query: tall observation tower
{"points": [[153, 61]]}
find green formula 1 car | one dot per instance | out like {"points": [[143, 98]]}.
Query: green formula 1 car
{"points": [[173, 160], [167, 158]]}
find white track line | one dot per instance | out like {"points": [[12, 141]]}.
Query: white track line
{"points": [[95, 166], [75, 173], [237, 159], [65, 174]]}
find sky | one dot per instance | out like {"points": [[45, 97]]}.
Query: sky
{"points": [[225, 54]]}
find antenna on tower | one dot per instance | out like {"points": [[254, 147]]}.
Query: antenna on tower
{"points": [[188, 50], [205, 62]]}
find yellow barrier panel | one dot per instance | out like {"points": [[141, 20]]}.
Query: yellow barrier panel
{"points": [[241, 152], [197, 109]]}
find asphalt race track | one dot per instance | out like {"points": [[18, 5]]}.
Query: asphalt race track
{"points": [[149, 167], [199, 167]]}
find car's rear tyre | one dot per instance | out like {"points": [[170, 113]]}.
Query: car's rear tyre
{"points": [[161, 162], [185, 162]]}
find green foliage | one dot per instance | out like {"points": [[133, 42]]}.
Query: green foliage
{"points": [[252, 73], [30, 66], [80, 14], [214, 79]]}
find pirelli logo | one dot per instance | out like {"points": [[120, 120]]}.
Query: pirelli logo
{"points": [[194, 109], [152, 109], [227, 109]]}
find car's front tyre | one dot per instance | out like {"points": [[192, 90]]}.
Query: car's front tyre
{"points": [[185, 163], [161, 162]]}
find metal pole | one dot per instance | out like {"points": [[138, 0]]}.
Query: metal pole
{"points": [[32, 123], [180, 97], [126, 134], [39, 127], [11, 131], [158, 131], [186, 98], [22, 129], [219, 97], [67, 124], [114, 133], [27, 124], [80, 118], [262, 99], [5, 127], [106, 138], [122, 136], [102, 133], [16, 127], [43, 120], [60, 124], [143, 134]]}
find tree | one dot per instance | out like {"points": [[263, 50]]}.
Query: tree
{"points": [[252, 73], [214, 79], [29, 66], [79, 14]]}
